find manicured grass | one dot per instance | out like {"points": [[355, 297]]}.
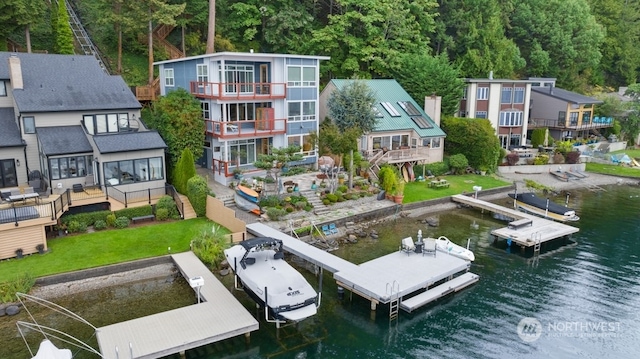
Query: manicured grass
{"points": [[613, 169], [97, 249], [420, 191], [632, 153]]}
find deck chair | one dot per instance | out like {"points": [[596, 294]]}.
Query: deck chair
{"points": [[407, 245], [429, 247], [333, 229], [325, 230]]}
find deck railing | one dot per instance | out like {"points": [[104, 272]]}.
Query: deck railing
{"points": [[249, 128], [239, 90], [559, 124]]}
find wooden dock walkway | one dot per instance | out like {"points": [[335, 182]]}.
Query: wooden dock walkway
{"points": [[540, 230], [219, 316], [385, 279]]}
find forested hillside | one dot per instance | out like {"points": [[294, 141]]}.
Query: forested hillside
{"points": [[581, 42]]}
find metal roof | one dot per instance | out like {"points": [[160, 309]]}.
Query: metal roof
{"points": [[389, 91], [10, 133], [58, 83], [63, 140], [129, 141], [234, 55], [566, 95]]}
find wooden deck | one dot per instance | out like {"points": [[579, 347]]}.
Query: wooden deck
{"points": [[383, 279], [220, 316], [541, 230]]}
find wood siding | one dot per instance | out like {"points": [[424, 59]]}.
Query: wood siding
{"points": [[226, 217], [24, 236]]}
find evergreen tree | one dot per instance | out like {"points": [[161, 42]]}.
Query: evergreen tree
{"points": [[184, 170], [474, 138], [64, 36]]}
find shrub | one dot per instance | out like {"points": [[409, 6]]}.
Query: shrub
{"points": [[122, 222], [308, 208], [348, 196], [289, 209], [275, 214], [537, 137], [197, 191], [564, 146], [300, 205], [162, 214], [573, 157], [558, 158], [134, 212], [342, 188], [541, 160], [269, 201], [354, 196], [100, 225], [326, 202], [458, 163], [387, 177], [111, 220], [168, 203], [20, 283], [513, 158], [77, 227], [437, 169], [333, 198], [89, 218], [209, 246]]}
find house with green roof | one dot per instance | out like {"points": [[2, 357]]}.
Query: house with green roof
{"points": [[405, 133]]}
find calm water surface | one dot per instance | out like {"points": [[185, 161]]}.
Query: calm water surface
{"points": [[586, 297]]}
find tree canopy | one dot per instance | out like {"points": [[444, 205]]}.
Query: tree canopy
{"points": [[351, 107], [474, 138]]}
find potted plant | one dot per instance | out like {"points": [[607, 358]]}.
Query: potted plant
{"points": [[483, 170], [364, 168], [341, 178], [388, 180], [19, 253], [237, 173], [398, 191], [40, 248]]}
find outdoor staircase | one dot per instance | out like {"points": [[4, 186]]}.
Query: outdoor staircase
{"points": [[82, 38], [189, 212], [227, 200], [318, 207]]}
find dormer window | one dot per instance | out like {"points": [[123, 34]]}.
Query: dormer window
{"points": [[106, 123]]}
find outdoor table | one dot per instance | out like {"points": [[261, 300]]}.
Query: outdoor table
{"points": [[24, 197]]}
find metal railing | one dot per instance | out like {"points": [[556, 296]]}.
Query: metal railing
{"points": [[555, 123], [230, 129], [239, 90], [127, 198], [171, 191]]}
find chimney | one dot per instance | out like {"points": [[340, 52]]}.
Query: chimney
{"points": [[432, 107], [490, 75], [15, 72]]}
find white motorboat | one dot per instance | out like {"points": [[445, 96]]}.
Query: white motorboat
{"points": [[269, 280], [443, 244]]}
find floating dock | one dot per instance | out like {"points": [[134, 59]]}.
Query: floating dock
{"points": [[219, 316], [526, 230], [410, 280]]}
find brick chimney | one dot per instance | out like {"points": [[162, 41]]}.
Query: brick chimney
{"points": [[432, 107], [15, 72]]}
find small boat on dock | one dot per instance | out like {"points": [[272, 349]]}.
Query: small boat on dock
{"points": [[269, 280], [247, 199], [542, 207], [443, 244]]}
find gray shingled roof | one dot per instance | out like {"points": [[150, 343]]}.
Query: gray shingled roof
{"points": [[129, 141], [63, 140], [389, 90], [9, 131], [566, 95], [55, 83]]}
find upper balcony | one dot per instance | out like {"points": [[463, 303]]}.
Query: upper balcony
{"points": [[239, 91], [241, 129], [598, 122]]}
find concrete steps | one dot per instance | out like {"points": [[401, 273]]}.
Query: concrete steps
{"points": [[318, 207]]}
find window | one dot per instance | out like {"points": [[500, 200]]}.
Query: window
{"points": [[241, 111], [239, 79], [586, 118], [510, 118], [301, 76], [304, 142], [504, 141], [506, 95], [389, 107], [409, 108], [302, 111], [482, 93], [106, 123], [518, 95], [29, 124], [70, 167], [3, 89], [481, 114], [242, 152], [435, 143], [421, 122], [206, 114], [515, 140], [8, 177], [202, 74], [132, 171], [573, 118], [464, 93], [168, 78]]}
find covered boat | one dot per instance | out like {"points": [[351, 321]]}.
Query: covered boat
{"points": [[247, 199], [263, 273], [443, 244], [543, 207]]}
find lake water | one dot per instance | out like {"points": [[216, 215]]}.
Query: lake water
{"points": [[585, 297]]}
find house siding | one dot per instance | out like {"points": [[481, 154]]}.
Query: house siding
{"points": [[25, 237]]}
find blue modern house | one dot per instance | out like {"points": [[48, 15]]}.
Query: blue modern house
{"points": [[250, 102]]}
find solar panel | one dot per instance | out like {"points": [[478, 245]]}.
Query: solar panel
{"points": [[389, 107], [421, 122], [409, 108]]}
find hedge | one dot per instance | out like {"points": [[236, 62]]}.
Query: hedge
{"points": [[88, 218], [134, 212]]}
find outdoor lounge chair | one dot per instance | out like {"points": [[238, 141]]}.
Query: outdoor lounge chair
{"points": [[407, 245], [325, 230], [333, 229], [429, 247]]}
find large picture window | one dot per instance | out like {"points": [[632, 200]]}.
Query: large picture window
{"points": [[511, 118], [301, 76], [132, 171], [243, 152], [70, 167], [302, 111], [304, 142], [239, 79], [106, 123]]}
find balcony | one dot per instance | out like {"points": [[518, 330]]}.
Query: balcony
{"points": [[598, 122], [259, 91], [241, 129]]}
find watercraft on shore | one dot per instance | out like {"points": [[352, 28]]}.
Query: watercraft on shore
{"points": [[543, 207], [443, 244], [268, 279], [247, 199]]}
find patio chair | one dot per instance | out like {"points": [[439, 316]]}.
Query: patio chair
{"points": [[325, 230], [429, 247], [333, 229], [407, 245]]}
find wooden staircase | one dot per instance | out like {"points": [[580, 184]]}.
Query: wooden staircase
{"points": [[189, 212], [152, 92]]}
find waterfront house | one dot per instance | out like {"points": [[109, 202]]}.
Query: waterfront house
{"points": [[250, 102], [68, 126], [404, 135]]}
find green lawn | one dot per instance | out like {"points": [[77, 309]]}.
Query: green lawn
{"points": [[613, 169], [88, 250], [632, 153], [420, 191]]}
